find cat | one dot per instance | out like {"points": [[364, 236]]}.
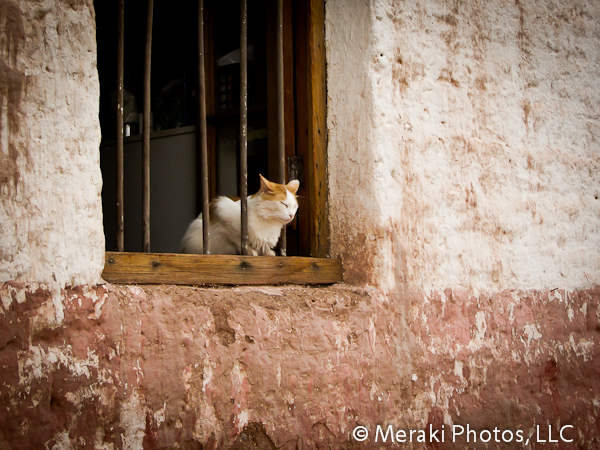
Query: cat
{"points": [[269, 210]]}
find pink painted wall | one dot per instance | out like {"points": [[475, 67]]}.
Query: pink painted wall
{"points": [[291, 367]]}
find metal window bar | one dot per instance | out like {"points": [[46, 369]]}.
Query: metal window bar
{"points": [[120, 77], [202, 131], [202, 125], [280, 117], [146, 136], [244, 124]]}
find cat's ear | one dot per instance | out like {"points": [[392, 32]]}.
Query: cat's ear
{"points": [[293, 186], [265, 185]]}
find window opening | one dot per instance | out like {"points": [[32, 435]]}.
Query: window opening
{"points": [[176, 184]]}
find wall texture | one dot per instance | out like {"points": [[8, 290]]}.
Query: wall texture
{"points": [[472, 129], [162, 367], [50, 180]]}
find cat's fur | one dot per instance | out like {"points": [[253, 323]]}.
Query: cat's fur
{"points": [[269, 210]]}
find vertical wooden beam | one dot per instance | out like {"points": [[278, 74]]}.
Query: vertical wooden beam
{"points": [[289, 113], [301, 86], [120, 156], [280, 113], [146, 136], [244, 124], [201, 134], [317, 130]]}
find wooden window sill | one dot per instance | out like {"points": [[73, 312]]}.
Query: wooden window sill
{"points": [[172, 268]]}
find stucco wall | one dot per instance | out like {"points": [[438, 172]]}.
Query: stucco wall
{"points": [[162, 367], [463, 143], [50, 180]]}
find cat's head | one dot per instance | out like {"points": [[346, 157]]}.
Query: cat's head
{"points": [[277, 201]]}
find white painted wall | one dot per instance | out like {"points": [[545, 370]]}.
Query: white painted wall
{"points": [[463, 142], [50, 205]]}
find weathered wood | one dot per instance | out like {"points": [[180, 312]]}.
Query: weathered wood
{"points": [[302, 119], [288, 115], [317, 131], [169, 268]]}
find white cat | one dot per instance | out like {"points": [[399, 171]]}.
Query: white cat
{"points": [[269, 210]]}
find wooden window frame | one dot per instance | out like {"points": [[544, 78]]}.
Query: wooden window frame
{"points": [[169, 268]]}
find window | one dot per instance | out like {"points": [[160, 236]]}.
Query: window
{"points": [[175, 188]]}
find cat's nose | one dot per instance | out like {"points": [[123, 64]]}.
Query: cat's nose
{"points": [[291, 216]]}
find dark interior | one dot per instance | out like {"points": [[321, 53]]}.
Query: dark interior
{"points": [[174, 86]]}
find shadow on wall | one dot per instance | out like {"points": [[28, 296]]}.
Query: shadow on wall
{"points": [[11, 87]]}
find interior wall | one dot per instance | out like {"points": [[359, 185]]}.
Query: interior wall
{"points": [[172, 184], [462, 143], [50, 180]]}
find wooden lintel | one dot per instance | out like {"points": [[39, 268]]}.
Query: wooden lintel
{"points": [[170, 268]]}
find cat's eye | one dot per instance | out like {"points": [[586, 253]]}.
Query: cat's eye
{"points": [[283, 204]]}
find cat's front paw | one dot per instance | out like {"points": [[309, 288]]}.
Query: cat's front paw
{"points": [[269, 252], [252, 252]]}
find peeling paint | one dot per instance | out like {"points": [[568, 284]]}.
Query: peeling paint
{"points": [[292, 377], [133, 422], [475, 167], [50, 180]]}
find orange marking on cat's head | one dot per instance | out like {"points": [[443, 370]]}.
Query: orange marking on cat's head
{"points": [[276, 192]]}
